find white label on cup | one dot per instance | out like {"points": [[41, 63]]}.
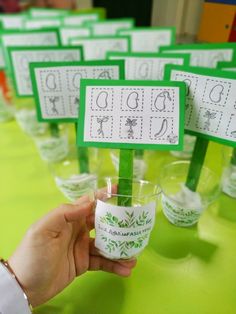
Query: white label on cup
{"points": [[180, 216], [123, 232]]}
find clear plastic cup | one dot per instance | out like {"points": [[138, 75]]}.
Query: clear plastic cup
{"points": [[186, 153], [71, 180], [181, 206], [6, 111], [122, 232], [139, 168], [53, 148], [229, 173], [27, 120]]}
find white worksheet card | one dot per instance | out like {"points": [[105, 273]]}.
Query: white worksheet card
{"points": [[2, 60], [44, 38], [40, 23], [79, 19], [205, 57], [12, 21], [110, 28], [210, 105], [149, 40], [66, 33], [47, 13], [146, 68], [96, 48], [132, 114], [22, 58], [59, 88]]}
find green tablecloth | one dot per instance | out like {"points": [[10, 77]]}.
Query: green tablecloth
{"points": [[183, 271]]}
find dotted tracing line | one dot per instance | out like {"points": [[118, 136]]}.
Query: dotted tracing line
{"points": [[153, 109], [123, 99], [189, 115], [43, 83], [192, 95], [70, 78], [141, 127], [97, 126], [216, 82], [97, 95], [74, 108], [138, 65], [211, 110], [151, 128], [228, 126]]}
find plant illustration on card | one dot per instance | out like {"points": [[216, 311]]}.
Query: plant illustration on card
{"points": [[53, 101], [209, 116], [101, 100], [23, 62], [172, 138], [144, 70], [76, 101], [163, 129], [26, 78], [45, 57], [100, 121], [188, 85], [132, 100], [104, 75], [161, 100], [69, 57], [131, 123], [51, 81], [76, 80], [216, 93], [233, 133]]}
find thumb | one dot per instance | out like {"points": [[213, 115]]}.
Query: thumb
{"points": [[76, 212]]}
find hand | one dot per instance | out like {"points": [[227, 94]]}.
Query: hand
{"points": [[57, 249]]}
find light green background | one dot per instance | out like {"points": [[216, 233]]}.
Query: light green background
{"points": [[183, 271]]}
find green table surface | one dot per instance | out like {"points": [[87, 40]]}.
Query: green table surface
{"points": [[183, 271]]}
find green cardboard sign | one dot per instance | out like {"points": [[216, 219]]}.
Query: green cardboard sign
{"points": [[210, 102], [96, 48], [227, 66], [111, 26], [45, 37], [56, 86], [68, 32], [149, 39], [147, 66], [21, 57], [80, 19], [12, 21], [2, 59], [38, 23], [131, 114], [204, 55], [44, 12]]}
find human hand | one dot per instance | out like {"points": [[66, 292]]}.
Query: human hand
{"points": [[58, 248]]}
